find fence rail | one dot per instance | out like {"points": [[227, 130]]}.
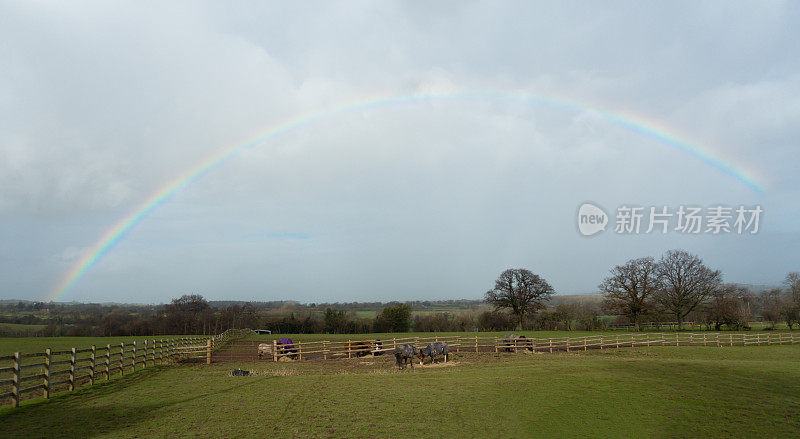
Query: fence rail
{"points": [[48, 372], [44, 373], [326, 349]]}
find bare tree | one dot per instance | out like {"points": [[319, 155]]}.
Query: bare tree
{"points": [[792, 283], [728, 307], [630, 288], [685, 283], [521, 291], [770, 301]]}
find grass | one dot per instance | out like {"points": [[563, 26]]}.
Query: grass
{"points": [[9, 345], [642, 392]]}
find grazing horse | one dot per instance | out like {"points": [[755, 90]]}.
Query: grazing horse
{"points": [[265, 349], [513, 342], [432, 350], [286, 346], [405, 353], [358, 348], [377, 348]]}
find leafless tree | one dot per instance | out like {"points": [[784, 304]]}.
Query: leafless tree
{"points": [[685, 283], [630, 288], [727, 306], [770, 306], [792, 283], [521, 291]]}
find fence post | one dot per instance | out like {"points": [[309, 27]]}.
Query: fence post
{"points": [[568, 344], [47, 358], [91, 371], [16, 370], [394, 343], [133, 365], [108, 362], [551, 345], [300, 350], [208, 351], [72, 370], [324, 350], [584, 342], [275, 350], [348, 348], [122, 358]]}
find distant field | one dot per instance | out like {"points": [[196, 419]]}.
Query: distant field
{"points": [[21, 326], [9, 345], [641, 392]]}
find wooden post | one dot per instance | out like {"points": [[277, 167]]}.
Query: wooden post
{"points": [[617, 339], [551, 345], [567, 344], [601, 342], [584, 342], [348, 348], [495, 345], [299, 350], [476, 343], [122, 358], [72, 370], [208, 351], [92, 364], [144, 364], [108, 361], [16, 370], [394, 343], [47, 359], [275, 350], [324, 350], [133, 364]]}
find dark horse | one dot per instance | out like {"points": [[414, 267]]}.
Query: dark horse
{"points": [[405, 353], [433, 350]]}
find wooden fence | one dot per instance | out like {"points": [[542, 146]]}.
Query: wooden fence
{"points": [[44, 373], [325, 349]]}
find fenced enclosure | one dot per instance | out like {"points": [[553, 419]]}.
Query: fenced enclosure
{"points": [[28, 375], [242, 351], [32, 374]]}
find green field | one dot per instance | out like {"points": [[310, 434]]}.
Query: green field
{"points": [[9, 345], [641, 392], [21, 326]]}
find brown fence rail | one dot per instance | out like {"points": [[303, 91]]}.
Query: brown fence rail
{"points": [[324, 349], [28, 375]]}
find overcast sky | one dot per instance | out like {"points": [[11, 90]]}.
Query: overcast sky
{"points": [[102, 104]]}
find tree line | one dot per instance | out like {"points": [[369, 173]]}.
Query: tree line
{"points": [[678, 286]]}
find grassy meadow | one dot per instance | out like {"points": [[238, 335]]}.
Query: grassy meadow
{"points": [[9, 345], [632, 392]]}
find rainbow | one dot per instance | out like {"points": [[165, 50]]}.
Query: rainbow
{"points": [[633, 123]]}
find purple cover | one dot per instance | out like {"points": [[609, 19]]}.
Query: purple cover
{"points": [[286, 342]]}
